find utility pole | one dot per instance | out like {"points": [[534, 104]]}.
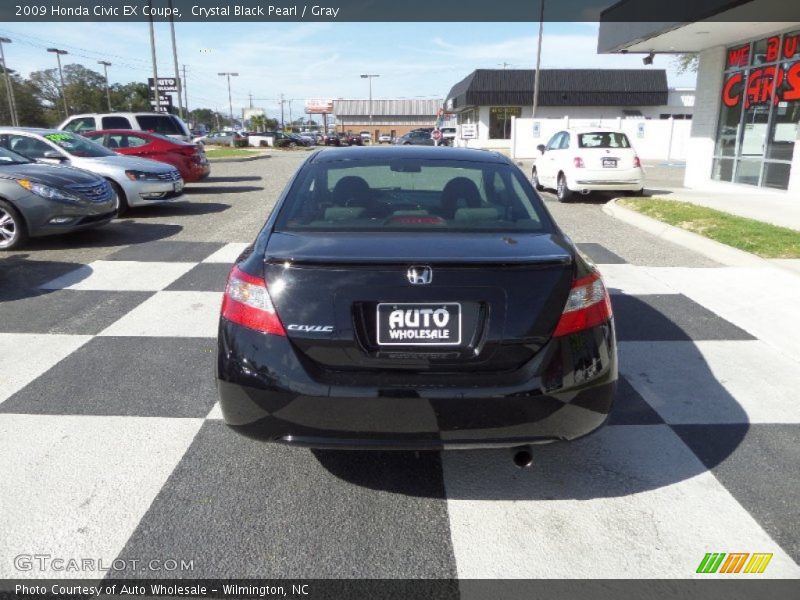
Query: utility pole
{"points": [[106, 64], [250, 97], [283, 123], [230, 102], [370, 78], [175, 59], [291, 121], [58, 54], [185, 91], [537, 78], [156, 93], [12, 103]]}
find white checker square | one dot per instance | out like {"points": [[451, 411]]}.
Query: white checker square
{"points": [[625, 502], [26, 356], [171, 314], [632, 280], [82, 484], [121, 275], [227, 254], [714, 381]]}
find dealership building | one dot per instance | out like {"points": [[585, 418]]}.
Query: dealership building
{"points": [[392, 117], [746, 125]]}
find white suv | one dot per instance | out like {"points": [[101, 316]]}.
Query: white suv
{"points": [[588, 160], [163, 123]]}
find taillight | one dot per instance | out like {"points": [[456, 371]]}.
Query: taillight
{"points": [[588, 305], [247, 303], [577, 162], [637, 164]]}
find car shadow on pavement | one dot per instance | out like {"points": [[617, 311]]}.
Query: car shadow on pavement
{"points": [[668, 385], [230, 179], [20, 276], [120, 232], [183, 208], [222, 189]]}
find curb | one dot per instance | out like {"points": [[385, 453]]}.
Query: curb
{"points": [[233, 159], [722, 253]]}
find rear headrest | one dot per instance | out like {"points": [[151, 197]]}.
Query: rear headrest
{"points": [[476, 214], [343, 213]]}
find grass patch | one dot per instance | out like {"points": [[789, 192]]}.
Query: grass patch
{"points": [[229, 152], [757, 237]]}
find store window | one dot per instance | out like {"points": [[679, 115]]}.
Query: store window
{"points": [[760, 112], [500, 121]]}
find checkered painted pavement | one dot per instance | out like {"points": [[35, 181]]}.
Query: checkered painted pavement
{"points": [[111, 444]]}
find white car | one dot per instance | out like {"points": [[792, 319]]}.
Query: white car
{"points": [[163, 123], [588, 160], [385, 138]]}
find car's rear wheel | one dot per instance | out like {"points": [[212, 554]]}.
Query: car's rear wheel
{"points": [[563, 193], [121, 205], [13, 232], [535, 180]]}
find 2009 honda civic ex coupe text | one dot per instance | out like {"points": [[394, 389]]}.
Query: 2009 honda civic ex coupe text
{"points": [[414, 298]]}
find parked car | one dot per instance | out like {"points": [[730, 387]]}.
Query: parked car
{"points": [[430, 310], [588, 160], [38, 200], [153, 122], [415, 138], [290, 140], [384, 138], [135, 181], [365, 136], [189, 159], [220, 138], [332, 140], [448, 135]]}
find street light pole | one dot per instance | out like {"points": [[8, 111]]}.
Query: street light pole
{"points": [[106, 64], [58, 54], [12, 103], [370, 78], [538, 61], [230, 101], [156, 92], [175, 59]]}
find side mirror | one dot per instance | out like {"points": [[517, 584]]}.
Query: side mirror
{"points": [[54, 155], [540, 148]]}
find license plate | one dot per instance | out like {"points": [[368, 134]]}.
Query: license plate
{"points": [[412, 324], [610, 163], [177, 186]]}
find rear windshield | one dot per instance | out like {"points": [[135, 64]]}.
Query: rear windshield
{"points": [[409, 194], [160, 124], [603, 139]]}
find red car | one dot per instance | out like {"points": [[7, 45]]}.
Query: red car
{"points": [[189, 159]]}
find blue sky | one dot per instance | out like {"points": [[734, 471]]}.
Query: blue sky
{"points": [[315, 60]]}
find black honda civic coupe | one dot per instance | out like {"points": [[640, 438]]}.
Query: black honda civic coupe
{"points": [[414, 298]]}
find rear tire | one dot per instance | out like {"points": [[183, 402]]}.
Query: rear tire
{"points": [[122, 200], [13, 231], [535, 180], [563, 193]]}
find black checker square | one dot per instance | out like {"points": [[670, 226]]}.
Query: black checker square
{"points": [[205, 277], [600, 254], [125, 376]]}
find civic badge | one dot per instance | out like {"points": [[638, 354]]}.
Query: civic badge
{"points": [[419, 275]]}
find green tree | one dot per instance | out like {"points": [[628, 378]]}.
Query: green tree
{"points": [[686, 63], [29, 109], [130, 97]]}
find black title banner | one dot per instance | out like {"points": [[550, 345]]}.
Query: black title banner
{"points": [[674, 11]]}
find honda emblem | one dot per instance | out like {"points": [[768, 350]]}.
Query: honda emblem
{"points": [[419, 275]]}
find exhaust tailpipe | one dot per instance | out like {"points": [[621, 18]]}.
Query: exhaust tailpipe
{"points": [[585, 192], [522, 457]]}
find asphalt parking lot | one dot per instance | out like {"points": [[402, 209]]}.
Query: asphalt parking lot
{"points": [[112, 447]]}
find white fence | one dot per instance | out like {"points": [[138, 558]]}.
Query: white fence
{"points": [[653, 139]]}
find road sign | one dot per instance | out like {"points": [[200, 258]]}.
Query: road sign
{"points": [[469, 131], [436, 134], [165, 84]]}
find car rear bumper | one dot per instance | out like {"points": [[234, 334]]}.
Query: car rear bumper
{"points": [[606, 179], [266, 393]]}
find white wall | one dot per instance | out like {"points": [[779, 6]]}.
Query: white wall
{"points": [[653, 139], [700, 146]]}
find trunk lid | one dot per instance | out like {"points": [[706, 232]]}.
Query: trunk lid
{"points": [[502, 295]]}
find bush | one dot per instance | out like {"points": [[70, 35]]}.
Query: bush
{"points": [[241, 143], [263, 143]]}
